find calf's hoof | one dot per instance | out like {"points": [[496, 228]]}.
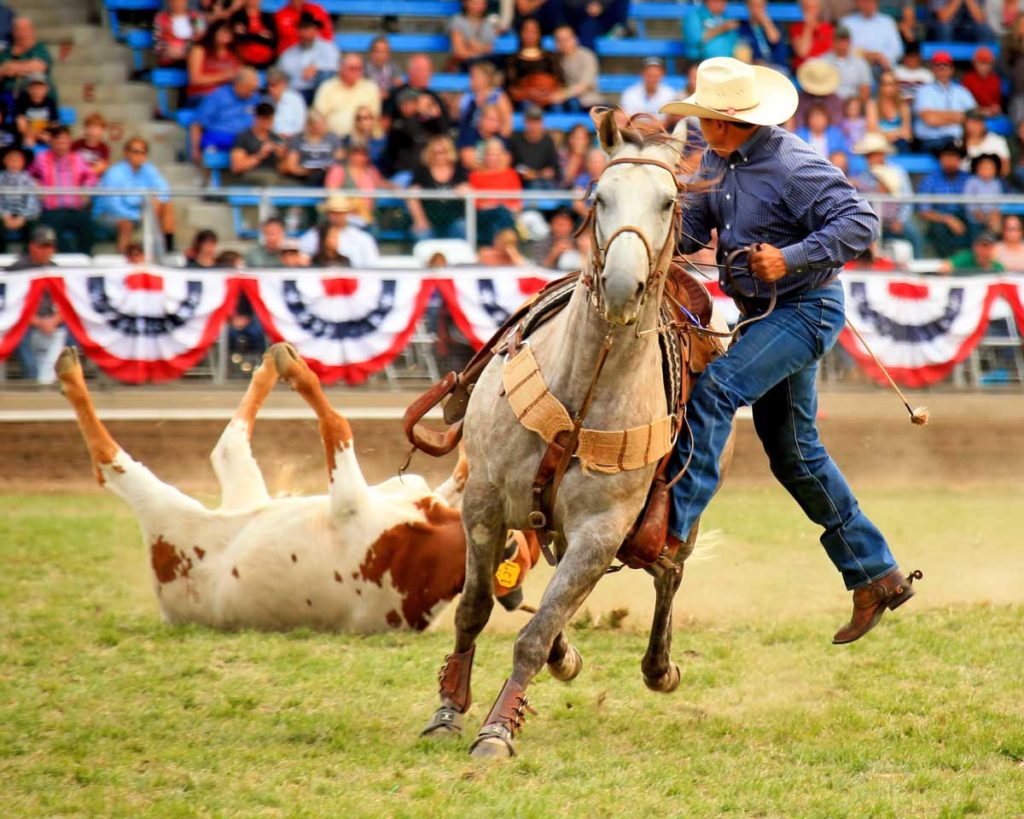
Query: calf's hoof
{"points": [[446, 722], [569, 667], [67, 362], [667, 682]]}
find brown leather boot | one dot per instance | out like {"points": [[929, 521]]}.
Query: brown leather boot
{"points": [[870, 603]]}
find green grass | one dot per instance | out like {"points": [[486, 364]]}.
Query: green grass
{"points": [[105, 711]]}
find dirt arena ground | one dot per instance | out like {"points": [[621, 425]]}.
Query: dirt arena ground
{"points": [[973, 451]]}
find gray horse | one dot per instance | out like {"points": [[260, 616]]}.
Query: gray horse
{"points": [[635, 204]]}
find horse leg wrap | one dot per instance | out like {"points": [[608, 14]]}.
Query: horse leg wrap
{"points": [[455, 678], [504, 721]]}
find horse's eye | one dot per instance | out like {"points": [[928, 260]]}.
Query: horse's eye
{"points": [[668, 205], [598, 202]]}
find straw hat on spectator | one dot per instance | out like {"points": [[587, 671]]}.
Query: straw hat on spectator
{"points": [[339, 204], [872, 143], [888, 178], [818, 77], [730, 90]]}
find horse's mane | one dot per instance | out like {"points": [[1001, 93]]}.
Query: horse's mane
{"points": [[644, 130]]}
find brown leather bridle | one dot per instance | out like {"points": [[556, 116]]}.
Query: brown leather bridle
{"points": [[657, 265]]}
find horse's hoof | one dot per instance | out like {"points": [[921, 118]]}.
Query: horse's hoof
{"points": [[667, 682], [67, 362], [569, 667], [492, 748], [446, 722]]}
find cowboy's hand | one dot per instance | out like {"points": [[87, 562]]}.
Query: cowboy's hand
{"points": [[768, 263]]}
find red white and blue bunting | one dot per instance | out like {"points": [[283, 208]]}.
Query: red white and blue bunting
{"points": [[154, 324], [347, 328], [19, 298], [142, 326]]}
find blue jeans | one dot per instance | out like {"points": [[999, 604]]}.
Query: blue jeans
{"points": [[772, 368]]}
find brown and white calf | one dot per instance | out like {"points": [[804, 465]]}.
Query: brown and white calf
{"points": [[359, 559]]}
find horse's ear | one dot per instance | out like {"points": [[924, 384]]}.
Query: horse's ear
{"points": [[608, 132], [680, 133]]}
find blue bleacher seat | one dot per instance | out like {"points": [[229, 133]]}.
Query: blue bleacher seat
{"points": [[215, 162], [1001, 125], [114, 6], [139, 41], [68, 116], [915, 163], [557, 122], [960, 52], [163, 79]]}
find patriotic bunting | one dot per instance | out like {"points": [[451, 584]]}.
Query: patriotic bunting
{"points": [[140, 326], [346, 328], [19, 298], [154, 324]]}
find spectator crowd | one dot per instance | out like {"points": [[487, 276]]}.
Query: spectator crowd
{"points": [[273, 93]]}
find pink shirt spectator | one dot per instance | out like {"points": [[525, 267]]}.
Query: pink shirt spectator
{"points": [[70, 171]]}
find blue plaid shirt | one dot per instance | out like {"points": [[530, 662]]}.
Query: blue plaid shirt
{"points": [[777, 189], [940, 183]]}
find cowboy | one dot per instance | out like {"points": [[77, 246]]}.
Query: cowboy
{"points": [[801, 220]]}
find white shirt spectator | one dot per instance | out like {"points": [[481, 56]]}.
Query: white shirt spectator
{"points": [[289, 113], [991, 144], [854, 74], [355, 244], [635, 100], [910, 79], [293, 62], [875, 33]]}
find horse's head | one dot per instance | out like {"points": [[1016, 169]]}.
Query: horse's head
{"points": [[634, 214]]}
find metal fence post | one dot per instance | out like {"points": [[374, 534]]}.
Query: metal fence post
{"points": [[470, 208], [147, 229]]}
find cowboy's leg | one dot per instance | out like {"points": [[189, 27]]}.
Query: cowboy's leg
{"points": [[784, 420], [770, 350]]}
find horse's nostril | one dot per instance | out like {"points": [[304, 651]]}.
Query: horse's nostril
{"points": [[639, 289]]}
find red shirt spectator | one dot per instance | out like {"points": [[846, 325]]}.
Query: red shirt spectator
{"points": [[174, 31], [287, 20], [812, 36], [983, 82]]}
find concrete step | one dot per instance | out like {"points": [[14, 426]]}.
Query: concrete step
{"points": [[29, 7], [86, 55], [127, 116], [98, 74], [76, 34], [195, 216], [84, 95], [165, 138], [181, 174], [46, 16]]}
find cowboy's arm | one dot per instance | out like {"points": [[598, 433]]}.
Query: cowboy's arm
{"points": [[840, 224], [697, 222]]}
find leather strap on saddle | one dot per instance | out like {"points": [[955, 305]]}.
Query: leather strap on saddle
{"points": [[607, 451]]}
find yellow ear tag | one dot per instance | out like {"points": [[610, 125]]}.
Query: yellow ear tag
{"points": [[507, 574]]}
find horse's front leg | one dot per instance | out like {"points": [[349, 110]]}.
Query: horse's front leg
{"points": [[660, 673], [591, 547], [484, 523]]}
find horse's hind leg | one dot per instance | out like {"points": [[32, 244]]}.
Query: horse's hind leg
{"points": [[660, 673], [485, 544], [102, 447], [591, 547], [239, 476]]}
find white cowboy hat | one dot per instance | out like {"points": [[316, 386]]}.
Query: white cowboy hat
{"points": [[818, 78], [888, 178], [872, 143], [735, 92]]}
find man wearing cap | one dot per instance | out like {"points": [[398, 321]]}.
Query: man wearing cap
{"points": [[649, 94], [311, 60], [854, 71], [534, 155], [289, 17], [939, 108], [984, 83], [340, 97], [46, 335], [980, 257], [35, 111], [771, 193], [874, 35], [358, 246], [947, 226]]}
